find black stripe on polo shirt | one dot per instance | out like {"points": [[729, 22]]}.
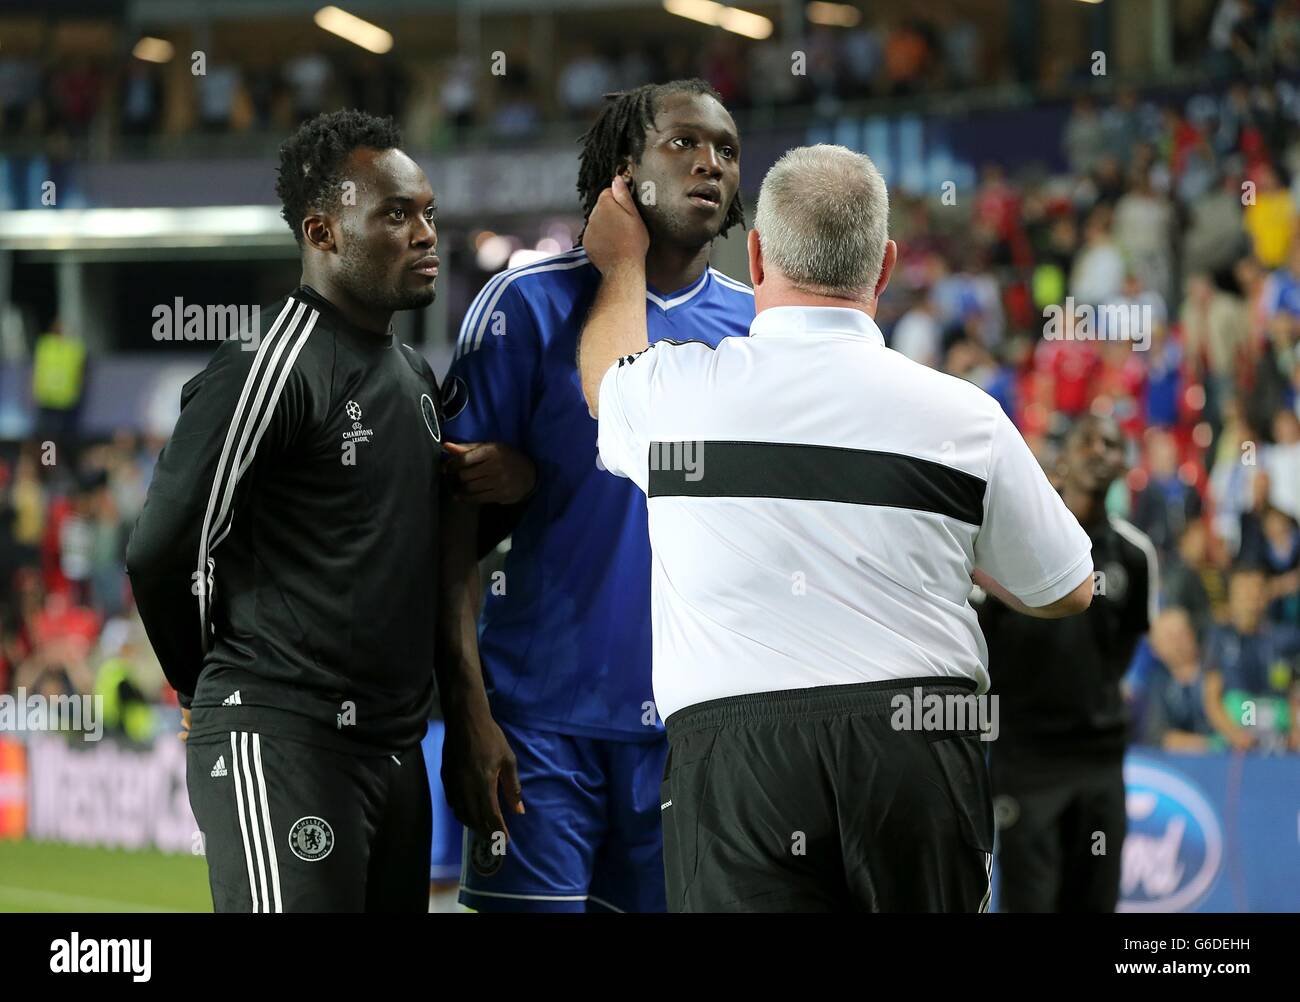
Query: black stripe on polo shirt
{"points": [[813, 473], [629, 359]]}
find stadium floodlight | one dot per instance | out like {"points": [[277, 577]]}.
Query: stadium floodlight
{"points": [[131, 229], [742, 22], [153, 50], [834, 15], [360, 32]]}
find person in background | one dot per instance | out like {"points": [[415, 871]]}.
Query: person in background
{"points": [[1167, 503], [1250, 690], [1069, 370], [1175, 718], [107, 549], [1234, 477], [566, 646], [128, 710], [1271, 540], [918, 333], [22, 521], [1270, 219], [1215, 325], [1281, 461], [62, 634], [776, 699], [77, 540], [1057, 766], [1190, 580], [58, 379], [1098, 273], [1164, 384]]}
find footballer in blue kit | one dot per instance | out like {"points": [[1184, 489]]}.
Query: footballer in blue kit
{"points": [[564, 637]]}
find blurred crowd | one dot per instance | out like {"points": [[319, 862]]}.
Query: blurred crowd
{"points": [[1182, 216], [82, 103], [436, 100], [67, 624], [1181, 221]]}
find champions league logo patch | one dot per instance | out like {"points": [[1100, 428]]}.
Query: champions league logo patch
{"points": [[311, 839], [485, 862], [430, 416], [455, 395]]}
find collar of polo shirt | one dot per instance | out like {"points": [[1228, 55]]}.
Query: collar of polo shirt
{"points": [[796, 321]]}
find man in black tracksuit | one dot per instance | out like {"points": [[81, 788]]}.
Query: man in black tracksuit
{"points": [[1057, 764], [285, 560]]}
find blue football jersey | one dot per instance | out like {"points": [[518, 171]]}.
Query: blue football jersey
{"points": [[565, 636]]}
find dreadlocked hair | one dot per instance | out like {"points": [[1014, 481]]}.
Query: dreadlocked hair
{"points": [[618, 135], [311, 160]]}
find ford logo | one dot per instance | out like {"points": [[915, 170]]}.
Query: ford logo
{"points": [[1174, 847]]}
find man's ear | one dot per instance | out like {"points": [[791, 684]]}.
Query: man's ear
{"points": [[886, 268], [318, 232], [755, 248]]}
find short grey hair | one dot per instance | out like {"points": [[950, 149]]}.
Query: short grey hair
{"points": [[823, 220]]}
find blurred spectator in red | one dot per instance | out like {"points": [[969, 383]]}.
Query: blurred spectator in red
{"points": [[997, 213], [63, 635], [1120, 387], [1070, 369]]}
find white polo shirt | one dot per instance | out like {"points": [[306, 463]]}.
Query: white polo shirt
{"points": [[817, 505]]}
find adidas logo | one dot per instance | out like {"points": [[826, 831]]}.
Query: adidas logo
{"points": [[232, 700], [219, 769]]}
